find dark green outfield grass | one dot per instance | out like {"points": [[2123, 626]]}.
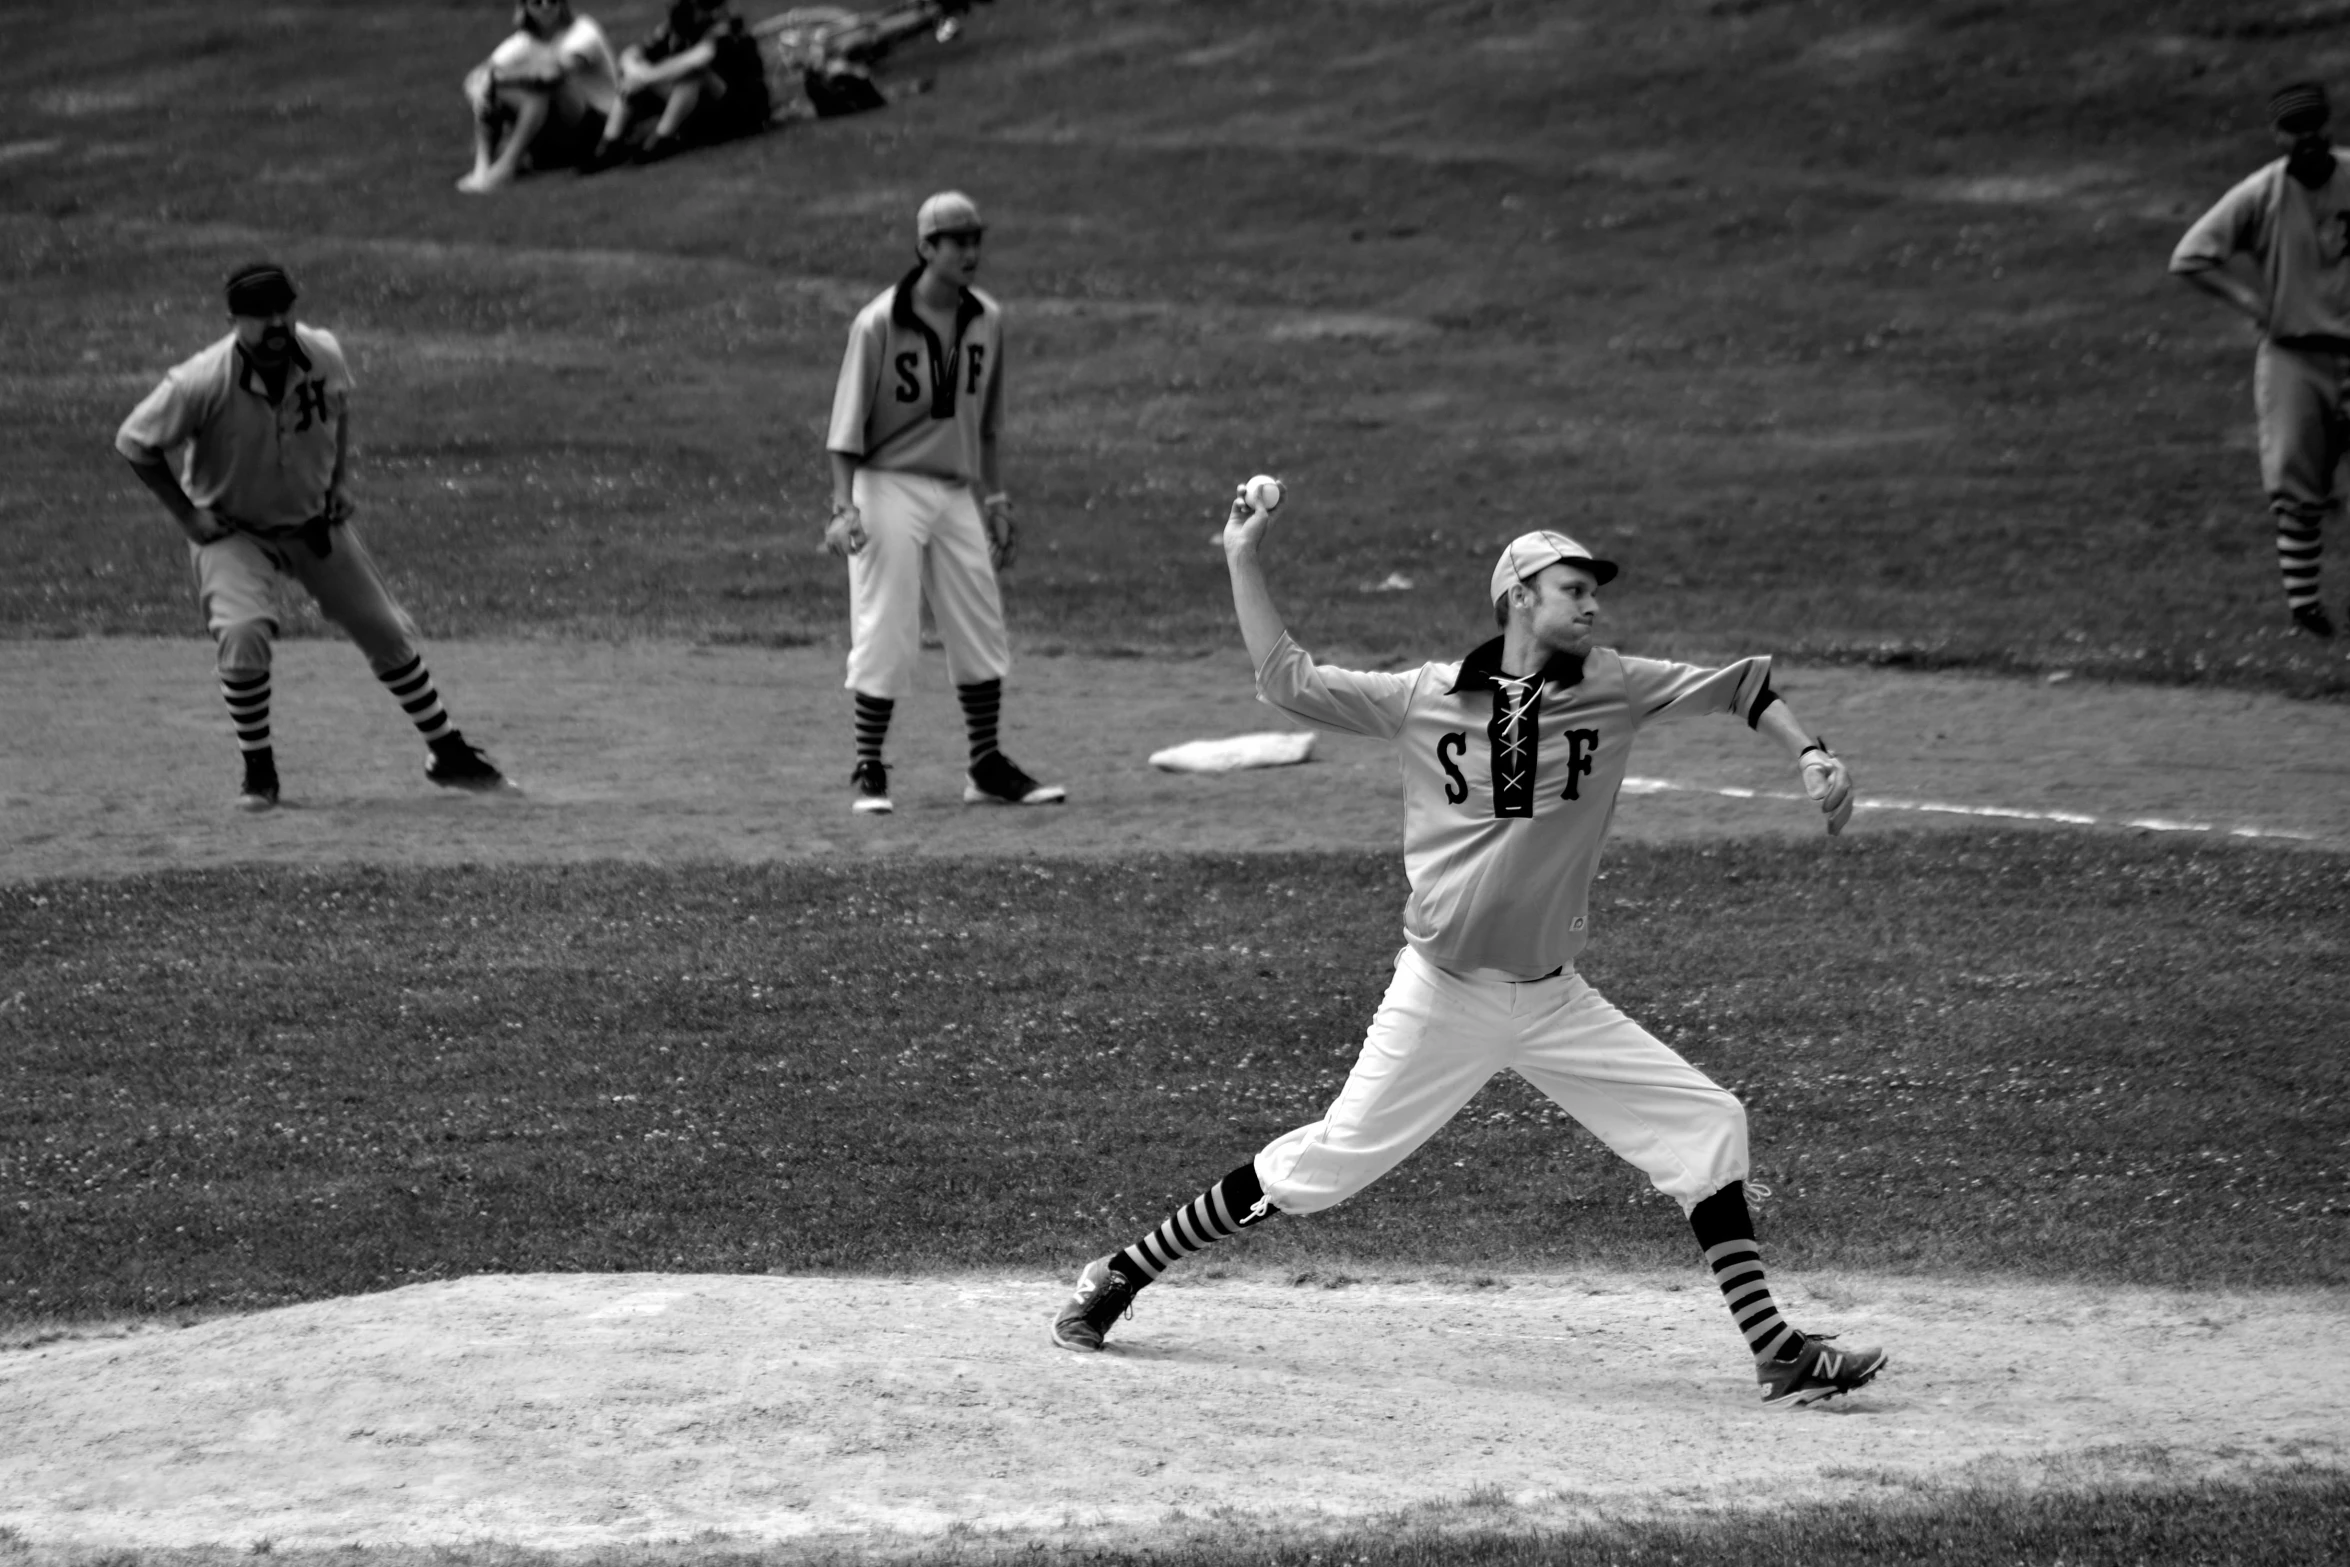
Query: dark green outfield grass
{"points": [[1844, 323], [2093, 1058]]}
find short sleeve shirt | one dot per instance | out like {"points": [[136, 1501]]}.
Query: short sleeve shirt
{"points": [[1509, 785], [262, 466], [2300, 240], [582, 54], [909, 403]]}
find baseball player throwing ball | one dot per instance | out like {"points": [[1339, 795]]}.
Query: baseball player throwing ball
{"points": [[913, 447], [2290, 220], [1511, 759], [261, 420]]}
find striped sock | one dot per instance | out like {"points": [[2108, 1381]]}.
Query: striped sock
{"points": [[2298, 542], [248, 708], [1726, 1230], [1226, 1208], [983, 701], [411, 686], [872, 725]]}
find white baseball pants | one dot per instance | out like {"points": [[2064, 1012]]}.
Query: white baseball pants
{"points": [[1437, 1037], [924, 539]]}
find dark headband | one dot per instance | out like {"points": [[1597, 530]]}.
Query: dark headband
{"points": [[260, 289]]}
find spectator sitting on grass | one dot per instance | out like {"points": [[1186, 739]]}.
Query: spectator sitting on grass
{"points": [[701, 71], [541, 99]]}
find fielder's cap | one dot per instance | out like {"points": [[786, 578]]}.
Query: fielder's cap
{"points": [[1529, 553], [948, 212], [260, 288], [2299, 106]]}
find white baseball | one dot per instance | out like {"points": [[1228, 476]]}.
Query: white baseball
{"points": [[1263, 492]]}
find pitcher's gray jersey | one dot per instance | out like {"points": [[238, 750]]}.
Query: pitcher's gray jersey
{"points": [[1509, 786]]}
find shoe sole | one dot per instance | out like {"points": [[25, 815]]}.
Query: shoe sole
{"points": [[1042, 794], [255, 803], [476, 785], [1078, 1346], [872, 807]]}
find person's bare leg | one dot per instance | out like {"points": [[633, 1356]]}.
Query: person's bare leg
{"points": [[684, 94], [487, 119], [485, 150], [530, 114]]}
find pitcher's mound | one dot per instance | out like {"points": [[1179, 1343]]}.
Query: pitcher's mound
{"points": [[567, 1410]]}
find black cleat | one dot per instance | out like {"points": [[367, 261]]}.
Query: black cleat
{"points": [[2312, 618], [997, 780], [1819, 1371], [455, 764], [1102, 1294], [871, 781], [260, 790]]}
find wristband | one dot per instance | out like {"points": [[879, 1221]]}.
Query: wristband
{"points": [[1818, 743]]}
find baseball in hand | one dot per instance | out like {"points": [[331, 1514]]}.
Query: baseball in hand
{"points": [[1263, 492]]}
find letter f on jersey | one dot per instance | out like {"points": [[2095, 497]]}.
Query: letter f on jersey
{"points": [[1582, 746]]}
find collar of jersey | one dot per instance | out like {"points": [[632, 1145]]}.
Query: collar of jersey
{"points": [[1481, 670], [249, 373], [901, 307]]}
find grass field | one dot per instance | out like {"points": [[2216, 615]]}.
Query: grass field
{"points": [[1845, 324], [2090, 1059]]}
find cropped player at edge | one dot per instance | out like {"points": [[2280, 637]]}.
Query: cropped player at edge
{"points": [[1511, 758], [2276, 247]]}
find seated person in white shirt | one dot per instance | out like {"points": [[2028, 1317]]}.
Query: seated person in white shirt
{"points": [[540, 100]]}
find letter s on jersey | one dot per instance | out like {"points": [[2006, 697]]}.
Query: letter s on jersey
{"points": [[1455, 743], [909, 385]]}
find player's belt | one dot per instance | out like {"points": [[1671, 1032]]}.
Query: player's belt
{"points": [[316, 533], [1495, 976]]}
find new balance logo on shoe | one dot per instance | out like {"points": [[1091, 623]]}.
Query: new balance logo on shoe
{"points": [[1817, 1373]]}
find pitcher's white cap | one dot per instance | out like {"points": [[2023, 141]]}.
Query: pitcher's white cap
{"points": [[948, 212], [1530, 552]]}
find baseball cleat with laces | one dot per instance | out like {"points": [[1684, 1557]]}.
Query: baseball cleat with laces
{"points": [[996, 780], [1102, 1295], [1820, 1370], [456, 764]]}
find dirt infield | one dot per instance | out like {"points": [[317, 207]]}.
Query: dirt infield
{"points": [[567, 1411], [119, 760], [586, 1410]]}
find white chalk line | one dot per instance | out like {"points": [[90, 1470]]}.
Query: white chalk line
{"points": [[2003, 812]]}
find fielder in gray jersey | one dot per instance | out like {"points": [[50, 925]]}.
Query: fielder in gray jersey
{"points": [[1511, 760], [260, 426], [918, 507]]}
